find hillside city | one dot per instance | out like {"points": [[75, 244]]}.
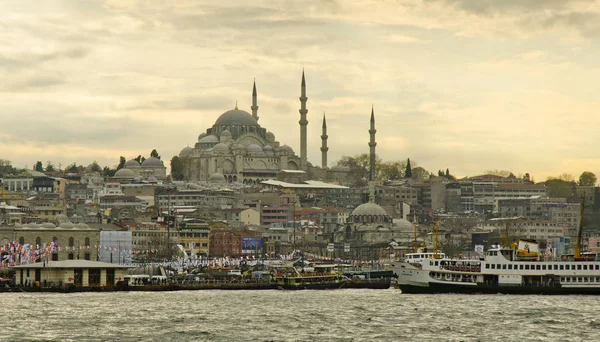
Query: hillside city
{"points": [[138, 213]]}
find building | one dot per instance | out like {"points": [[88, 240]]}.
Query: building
{"points": [[238, 149], [235, 243], [69, 273], [194, 237]]}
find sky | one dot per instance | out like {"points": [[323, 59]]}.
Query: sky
{"points": [[469, 85]]}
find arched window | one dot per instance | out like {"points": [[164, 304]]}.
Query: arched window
{"points": [[348, 232], [71, 242], [87, 241], [21, 240], [38, 241]]}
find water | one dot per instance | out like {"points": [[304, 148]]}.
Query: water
{"points": [[334, 315]]}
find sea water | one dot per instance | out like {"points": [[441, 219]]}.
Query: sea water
{"points": [[274, 315]]}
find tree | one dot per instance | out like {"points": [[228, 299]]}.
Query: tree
{"points": [[121, 163], [408, 171], [50, 166], [72, 168], [558, 188], [94, 167], [6, 167], [389, 170], [154, 154], [587, 179], [38, 166], [567, 177], [420, 173], [108, 172], [138, 158], [501, 173], [177, 168]]}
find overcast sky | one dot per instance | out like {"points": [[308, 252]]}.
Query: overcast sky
{"points": [[470, 85]]}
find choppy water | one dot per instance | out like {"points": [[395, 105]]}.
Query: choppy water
{"points": [[334, 315]]}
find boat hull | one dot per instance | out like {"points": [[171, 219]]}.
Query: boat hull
{"points": [[438, 288]]}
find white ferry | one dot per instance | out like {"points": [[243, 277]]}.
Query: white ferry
{"points": [[514, 270]]}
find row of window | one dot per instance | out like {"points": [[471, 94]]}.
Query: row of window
{"points": [[543, 267], [38, 241], [580, 279]]}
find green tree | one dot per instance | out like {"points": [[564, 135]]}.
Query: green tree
{"points": [[50, 166], [177, 168], [121, 163], [108, 172], [154, 154], [72, 168], [38, 166], [501, 173], [408, 172], [6, 167], [420, 173], [359, 168], [95, 167], [587, 179], [558, 188]]}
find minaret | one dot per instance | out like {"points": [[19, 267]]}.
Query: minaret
{"points": [[303, 123], [324, 147], [372, 145], [254, 103]]}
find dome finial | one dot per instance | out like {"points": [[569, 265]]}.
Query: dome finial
{"points": [[236, 108]]}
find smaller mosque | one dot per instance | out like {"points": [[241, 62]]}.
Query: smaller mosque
{"points": [[151, 169]]}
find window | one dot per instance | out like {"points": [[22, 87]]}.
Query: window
{"points": [[71, 242], [21, 240]]}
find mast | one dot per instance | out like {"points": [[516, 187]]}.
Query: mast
{"points": [[437, 227], [415, 243], [578, 246]]}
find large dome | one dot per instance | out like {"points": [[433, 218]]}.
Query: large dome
{"points": [[369, 209], [236, 117], [132, 163], [221, 147], [152, 161], [124, 174], [186, 152]]}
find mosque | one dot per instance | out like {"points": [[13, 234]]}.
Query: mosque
{"points": [[237, 149]]}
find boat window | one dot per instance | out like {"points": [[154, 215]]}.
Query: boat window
{"points": [[579, 279], [586, 279], [510, 267], [597, 267], [493, 266], [537, 267], [503, 266], [543, 267], [521, 267], [585, 267], [437, 263], [556, 267], [526, 267], [487, 266], [562, 279], [579, 267], [562, 267], [567, 267]]}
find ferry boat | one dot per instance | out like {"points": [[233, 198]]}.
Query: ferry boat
{"points": [[308, 278], [517, 269], [504, 270]]}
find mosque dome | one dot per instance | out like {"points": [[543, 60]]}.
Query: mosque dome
{"points": [[236, 117], [186, 152], [153, 162], [48, 225], [67, 225], [286, 148], [209, 139], [403, 224], [124, 174], [254, 148], [217, 177], [225, 135], [152, 179], [369, 209], [221, 147], [270, 137], [202, 135], [238, 147], [132, 163], [268, 148], [82, 225]]}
